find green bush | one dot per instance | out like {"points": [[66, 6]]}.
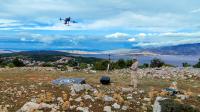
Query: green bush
{"points": [[120, 64], [72, 63], [170, 105], [197, 65], [129, 63], [185, 64], [156, 63], [11, 65], [18, 63], [145, 65], [48, 65], [101, 65], [83, 65]]}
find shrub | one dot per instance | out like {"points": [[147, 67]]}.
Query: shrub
{"points": [[72, 63], [101, 65], [197, 65], [145, 65], [129, 63], [83, 65], [156, 63], [18, 63], [120, 64], [185, 64], [170, 105]]}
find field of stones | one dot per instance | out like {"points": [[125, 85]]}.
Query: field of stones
{"points": [[31, 90]]}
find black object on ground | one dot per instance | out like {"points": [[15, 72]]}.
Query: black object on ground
{"points": [[105, 80]]}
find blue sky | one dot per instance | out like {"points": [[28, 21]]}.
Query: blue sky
{"points": [[102, 24]]}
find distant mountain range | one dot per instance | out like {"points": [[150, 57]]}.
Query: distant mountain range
{"points": [[185, 49]]}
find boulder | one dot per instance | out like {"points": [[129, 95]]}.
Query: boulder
{"points": [[157, 106]]}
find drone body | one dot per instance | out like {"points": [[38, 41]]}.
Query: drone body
{"points": [[67, 21]]}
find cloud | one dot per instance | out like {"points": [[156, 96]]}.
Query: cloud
{"points": [[141, 35], [167, 39], [138, 22], [131, 39], [43, 38], [181, 34], [9, 23], [117, 35], [195, 10], [133, 20]]}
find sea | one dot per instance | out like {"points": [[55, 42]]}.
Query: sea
{"points": [[175, 60]]}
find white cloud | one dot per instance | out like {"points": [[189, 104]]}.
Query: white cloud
{"points": [[24, 36], [9, 23], [141, 35], [181, 34], [195, 10], [167, 43], [117, 35], [167, 39], [131, 39]]}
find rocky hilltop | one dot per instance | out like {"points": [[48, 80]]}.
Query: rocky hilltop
{"points": [[31, 89]]}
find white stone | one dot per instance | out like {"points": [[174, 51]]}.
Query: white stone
{"points": [[116, 106], [88, 97], [107, 109], [126, 90], [108, 98], [183, 97], [78, 99], [31, 106], [147, 99], [83, 109], [124, 107], [157, 106]]}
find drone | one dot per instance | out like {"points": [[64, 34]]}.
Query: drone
{"points": [[67, 21]]}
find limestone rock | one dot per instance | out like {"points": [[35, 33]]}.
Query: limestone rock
{"points": [[124, 107], [107, 109], [157, 106], [31, 106], [78, 99], [88, 97], [82, 109], [108, 98], [116, 106]]}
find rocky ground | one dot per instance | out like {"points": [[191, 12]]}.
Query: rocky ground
{"points": [[31, 90]]}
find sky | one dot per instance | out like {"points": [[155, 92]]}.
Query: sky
{"points": [[102, 24]]}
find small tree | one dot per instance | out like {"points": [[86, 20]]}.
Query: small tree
{"points": [[129, 63], [18, 63], [101, 65], [185, 64], [11, 65], [156, 63], [121, 64], [197, 65], [145, 65], [72, 63], [83, 65]]}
